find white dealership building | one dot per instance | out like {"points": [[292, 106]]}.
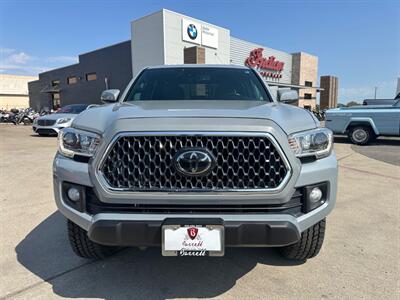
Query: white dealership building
{"points": [[14, 91], [167, 37]]}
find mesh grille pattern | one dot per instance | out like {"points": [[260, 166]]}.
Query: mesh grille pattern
{"points": [[46, 122], [146, 163]]}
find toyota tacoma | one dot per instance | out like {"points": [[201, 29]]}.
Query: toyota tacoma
{"points": [[194, 159]]}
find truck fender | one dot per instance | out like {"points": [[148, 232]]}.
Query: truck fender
{"points": [[362, 121]]}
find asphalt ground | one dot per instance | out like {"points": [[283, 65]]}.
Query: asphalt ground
{"points": [[359, 260], [385, 149]]}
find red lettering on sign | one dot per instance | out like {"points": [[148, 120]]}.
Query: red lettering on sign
{"points": [[256, 60]]}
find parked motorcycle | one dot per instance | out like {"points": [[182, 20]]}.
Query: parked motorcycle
{"points": [[26, 117], [7, 117], [3, 116], [18, 116]]}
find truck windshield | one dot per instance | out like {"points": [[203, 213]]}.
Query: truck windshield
{"points": [[203, 83]]}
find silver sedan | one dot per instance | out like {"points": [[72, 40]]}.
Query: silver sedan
{"points": [[52, 124]]}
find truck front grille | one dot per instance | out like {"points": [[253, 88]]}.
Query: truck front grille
{"points": [[146, 163]]}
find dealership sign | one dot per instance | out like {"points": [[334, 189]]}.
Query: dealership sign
{"points": [[196, 33], [191, 31], [268, 67]]}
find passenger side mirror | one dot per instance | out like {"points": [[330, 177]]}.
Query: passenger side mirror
{"points": [[108, 96], [288, 96]]}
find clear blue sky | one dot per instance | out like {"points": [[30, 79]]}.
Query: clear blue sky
{"points": [[358, 41]]}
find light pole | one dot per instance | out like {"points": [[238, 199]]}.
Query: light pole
{"points": [[376, 88]]}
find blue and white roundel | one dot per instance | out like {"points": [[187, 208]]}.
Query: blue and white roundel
{"points": [[192, 31]]}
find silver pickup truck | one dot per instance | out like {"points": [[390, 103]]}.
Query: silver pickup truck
{"points": [[363, 124], [194, 159]]}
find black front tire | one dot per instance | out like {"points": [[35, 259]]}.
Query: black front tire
{"points": [[361, 135], [84, 247], [309, 244]]}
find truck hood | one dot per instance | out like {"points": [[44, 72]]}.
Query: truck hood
{"points": [[289, 118]]}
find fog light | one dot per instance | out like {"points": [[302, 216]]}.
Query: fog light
{"points": [[315, 194], [73, 194]]}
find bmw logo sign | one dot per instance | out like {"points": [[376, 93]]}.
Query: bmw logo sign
{"points": [[192, 31]]}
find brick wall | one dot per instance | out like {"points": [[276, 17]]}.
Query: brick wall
{"points": [[305, 68]]}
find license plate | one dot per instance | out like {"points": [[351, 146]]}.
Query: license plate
{"points": [[192, 240]]}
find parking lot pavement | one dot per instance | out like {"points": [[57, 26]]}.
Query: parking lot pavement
{"points": [[359, 259], [385, 149]]}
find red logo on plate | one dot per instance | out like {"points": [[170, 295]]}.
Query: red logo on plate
{"points": [[192, 232]]}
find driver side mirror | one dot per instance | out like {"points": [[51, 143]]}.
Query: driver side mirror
{"points": [[109, 96], [288, 96]]}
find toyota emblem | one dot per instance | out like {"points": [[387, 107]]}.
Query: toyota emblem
{"points": [[194, 162]]}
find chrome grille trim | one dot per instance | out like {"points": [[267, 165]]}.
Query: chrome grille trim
{"points": [[105, 185]]}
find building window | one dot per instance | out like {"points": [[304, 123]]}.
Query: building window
{"points": [[72, 80], [55, 82], [308, 83], [307, 96], [91, 76]]}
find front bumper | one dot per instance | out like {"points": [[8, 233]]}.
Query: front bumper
{"points": [[148, 233], [49, 130], [242, 229]]}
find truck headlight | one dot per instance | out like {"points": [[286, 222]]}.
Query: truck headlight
{"points": [[63, 120], [317, 142], [72, 141]]}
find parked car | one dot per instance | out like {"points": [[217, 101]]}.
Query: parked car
{"points": [[381, 101], [51, 124], [363, 124], [193, 159]]}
